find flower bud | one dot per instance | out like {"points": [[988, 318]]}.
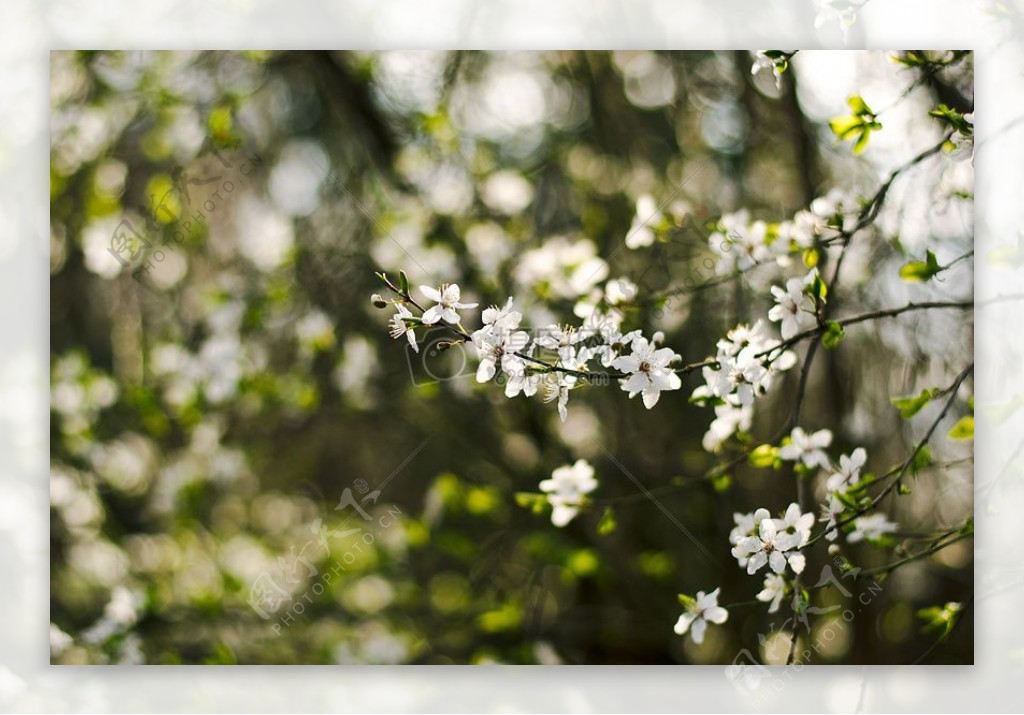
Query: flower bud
{"points": [[833, 550], [658, 338], [378, 301]]}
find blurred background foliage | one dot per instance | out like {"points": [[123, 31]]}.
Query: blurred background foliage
{"points": [[214, 397]]}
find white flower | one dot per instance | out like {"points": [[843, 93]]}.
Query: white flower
{"points": [[567, 489], [740, 244], [870, 528], [557, 384], [499, 347], [399, 327], [729, 419], [807, 448], [793, 308], [649, 371], [801, 230], [647, 215], [845, 11], [519, 379], [696, 617], [963, 147], [447, 299], [619, 290], [769, 547], [796, 523], [747, 525], [848, 473], [561, 339], [741, 373], [773, 591], [502, 318], [830, 513], [763, 61]]}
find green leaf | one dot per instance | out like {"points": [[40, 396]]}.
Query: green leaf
{"points": [[963, 429], [834, 333], [721, 482], [910, 405], [403, 282], [811, 257], [817, 288], [920, 271], [921, 460], [607, 524], [687, 602], [942, 618]]}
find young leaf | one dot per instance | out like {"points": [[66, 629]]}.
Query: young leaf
{"points": [[963, 429], [531, 501], [763, 456], [403, 282], [607, 524], [920, 271], [910, 405], [833, 334]]}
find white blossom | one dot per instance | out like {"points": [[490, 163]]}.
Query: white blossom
{"points": [[740, 243], [769, 547], [647, 216], [399, 327], [562, 339], [830, 512], [747, 525], [848, 473], [729, 419], [794, 308], [807, 448], [447, 299], [870, 528], [763, 61], [963, 146], [649, 370], [619, 290], [502, 318], [773, 591], [697, 616], [496, 348], [567, 489]]}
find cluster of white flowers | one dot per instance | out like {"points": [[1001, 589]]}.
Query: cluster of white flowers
{"points": [[741, 243], [744, 369], [567, 490], [561, 268], [555, 360], [828, 216], [760, 540], [649, 219], [838, 486]]}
